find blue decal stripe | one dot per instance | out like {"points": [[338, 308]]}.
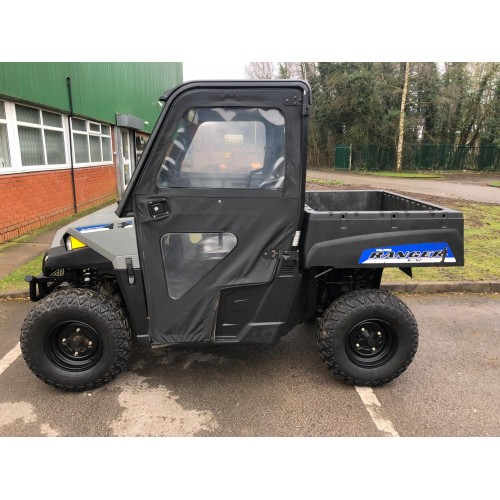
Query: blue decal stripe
{"points": [[418, 252], [95, 227]]}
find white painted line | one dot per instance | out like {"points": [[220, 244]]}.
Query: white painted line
{"points": [[372, 405], [9, 358]]}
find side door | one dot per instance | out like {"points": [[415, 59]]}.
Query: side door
{"points": [[125, 156], [217, 201]]}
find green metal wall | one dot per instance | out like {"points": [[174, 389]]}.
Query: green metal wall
{"points": [[100, 89]]}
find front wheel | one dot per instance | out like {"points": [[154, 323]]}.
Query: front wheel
{"points": [[76, 339], [368, 337]]}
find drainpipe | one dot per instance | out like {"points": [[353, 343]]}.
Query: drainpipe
{"points": [[72, 163]]}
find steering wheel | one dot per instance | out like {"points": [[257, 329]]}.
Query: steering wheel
{"points": [[277, 175]]}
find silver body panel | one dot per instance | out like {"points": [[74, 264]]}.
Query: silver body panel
{"points": [[106, 233]]}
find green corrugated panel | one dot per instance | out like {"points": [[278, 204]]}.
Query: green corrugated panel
{"points": [[42, 83], [100, 89]]}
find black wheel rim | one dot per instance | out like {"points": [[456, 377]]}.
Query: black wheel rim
{"points": [[74, 346], [371, 343]]}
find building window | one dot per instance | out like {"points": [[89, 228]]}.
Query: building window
{"points": [[92, 142], [41, 137], [4, 143]]}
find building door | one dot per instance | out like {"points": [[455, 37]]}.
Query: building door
{"points": [[127, 162], [140, 143]]}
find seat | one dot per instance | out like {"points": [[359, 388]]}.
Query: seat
{"points": [[215, 246]]}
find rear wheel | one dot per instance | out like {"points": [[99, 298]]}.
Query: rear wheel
{"points": [[76, 339], [368, 337]]}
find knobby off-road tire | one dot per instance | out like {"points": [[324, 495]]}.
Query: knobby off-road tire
{"points": [[367, 337], [76, 339]]}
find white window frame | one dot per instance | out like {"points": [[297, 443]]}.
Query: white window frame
{"points": [[16, 165], [91, 133], [4, 121]]}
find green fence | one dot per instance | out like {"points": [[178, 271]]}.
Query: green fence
{"points": [[447, 157], [343, 157], [425, 157], [373, 157]]}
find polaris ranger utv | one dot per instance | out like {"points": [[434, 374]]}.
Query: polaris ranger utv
{"points": [[217, 241]]}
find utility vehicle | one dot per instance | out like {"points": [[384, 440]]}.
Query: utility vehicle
{"points": [[217, 241]]}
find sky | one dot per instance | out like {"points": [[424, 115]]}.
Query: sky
{"points": [[213, 70], [203, 32], [387, 30]]}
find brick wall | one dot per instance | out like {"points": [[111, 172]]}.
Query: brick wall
{"points": [[34, 199]]}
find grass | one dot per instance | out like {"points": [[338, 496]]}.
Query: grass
{"points": [[494, 184], [15, 280], [482, 241], [325, 182], [405, 175], [385, 173]]}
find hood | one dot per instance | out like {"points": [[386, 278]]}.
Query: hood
{"points": [[105, 215]]}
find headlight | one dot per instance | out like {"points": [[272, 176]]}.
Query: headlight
{"points": [[72, 243]]}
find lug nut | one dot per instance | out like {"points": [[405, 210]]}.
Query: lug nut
{"points": [[379, 334], [90, 343], [76, 353], [63, 341], [374, 349], [363, 330], [357, 345], [77, 330]]}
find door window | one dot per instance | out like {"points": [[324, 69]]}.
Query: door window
{"points": [[235, 148], [188, 257]]}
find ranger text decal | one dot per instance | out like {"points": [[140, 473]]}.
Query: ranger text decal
{"points": [[404, 254]]}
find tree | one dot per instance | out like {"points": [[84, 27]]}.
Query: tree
{"points": [[424, 88], [479, 97], [399, 153], [261, 70], [393, 107], [301, 70], [358, 104], [284, 70], [490, 132]]}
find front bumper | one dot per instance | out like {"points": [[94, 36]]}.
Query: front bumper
{"points": [[40, 286]]}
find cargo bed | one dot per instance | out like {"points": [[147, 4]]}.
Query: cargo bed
{"points": [[379, 229]]}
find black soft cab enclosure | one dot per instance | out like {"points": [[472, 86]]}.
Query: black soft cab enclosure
{"points": [[220, 188]]}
